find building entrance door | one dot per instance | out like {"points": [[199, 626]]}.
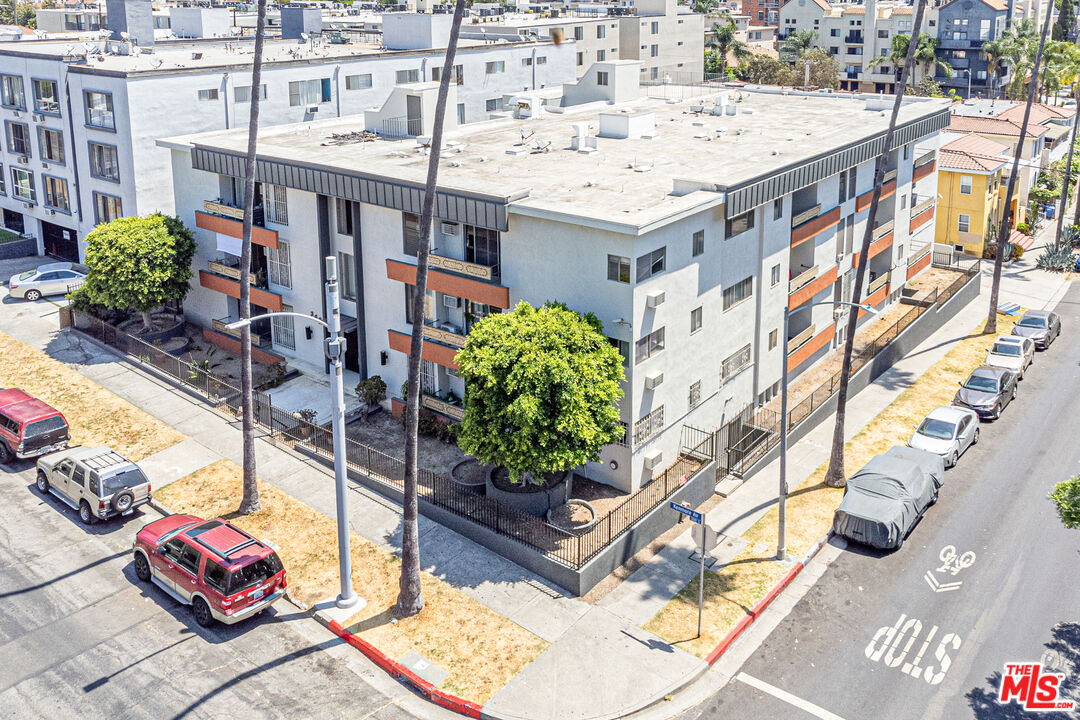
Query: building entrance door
{"points": [[60, 242]]}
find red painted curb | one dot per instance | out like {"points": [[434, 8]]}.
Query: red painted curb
{"points": [[404, 674]]}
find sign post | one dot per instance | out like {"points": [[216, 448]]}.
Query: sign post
{"points": [[696, 517]]}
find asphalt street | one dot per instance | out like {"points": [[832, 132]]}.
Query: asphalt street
{"points": [[901, 635], [81, 637]]}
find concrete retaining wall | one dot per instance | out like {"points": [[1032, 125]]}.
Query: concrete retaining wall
{"points": [[26, 247]]}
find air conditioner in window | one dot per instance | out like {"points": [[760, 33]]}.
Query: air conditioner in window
{"points": [[45, 165], [449, 228], [23, 160], [653, 381], [451, 301], [17, 113], [38, 118], [655, 299], [839, 258], [838, 313], [313, 109], [653, 459], [51, 212]]}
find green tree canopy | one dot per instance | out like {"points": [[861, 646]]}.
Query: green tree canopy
{"points": [[796, 44], [541, 390], [1066, 498], [824, 70], [724, 42], [18, 12], [138, 263], [765, 70]]}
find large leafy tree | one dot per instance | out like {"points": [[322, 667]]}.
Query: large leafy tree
{"points": [[824, 70], [705, 6], [796, 44], [18, 12], [765, 70], [138, 263], [1065, 20], [1066, 498], [725, 42], [541, 390]]}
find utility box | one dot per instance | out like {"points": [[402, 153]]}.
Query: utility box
{"points": [[299, 21]]}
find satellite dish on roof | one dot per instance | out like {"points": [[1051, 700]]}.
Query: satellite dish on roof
{"points": [[124, 35], [305, 37]]}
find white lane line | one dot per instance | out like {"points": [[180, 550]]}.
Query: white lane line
{"points": [[787, 697]]}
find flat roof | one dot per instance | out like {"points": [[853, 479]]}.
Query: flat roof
{"points": [[628, 182]]}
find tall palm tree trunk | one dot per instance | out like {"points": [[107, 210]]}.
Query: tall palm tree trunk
{"points": [[1067, 178], [250, 501], [835, 477], [410, 599], [1003, 234]]}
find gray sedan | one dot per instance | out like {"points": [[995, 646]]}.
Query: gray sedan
{"points": [[987, 391], [1041, 326], [52, 279], [947, 431]]}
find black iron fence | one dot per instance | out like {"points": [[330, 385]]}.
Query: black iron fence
{"points": [[572, 549]]}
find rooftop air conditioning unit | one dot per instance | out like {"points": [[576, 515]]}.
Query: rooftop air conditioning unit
{"points": [[653, 381], [653, 459], [451, 301], [655, 299], [449, 228]]}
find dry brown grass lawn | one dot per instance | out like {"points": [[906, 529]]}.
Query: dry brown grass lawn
{"points": [[810, 507], [96, 416], [480, 649]]}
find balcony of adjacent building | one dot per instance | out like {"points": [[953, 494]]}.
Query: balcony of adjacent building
{"points": [[225, 214], [854, 38], [807, 219], [223, 275]]}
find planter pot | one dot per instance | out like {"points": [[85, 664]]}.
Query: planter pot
{"points": [[176, 346], [553, 517], [134, 325], [526, 496], [471, 475]]}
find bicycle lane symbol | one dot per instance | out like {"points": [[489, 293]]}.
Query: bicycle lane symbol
{"points": [[951, 565]]}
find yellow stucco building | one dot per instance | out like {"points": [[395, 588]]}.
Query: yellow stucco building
{"points": [[971, 183]]}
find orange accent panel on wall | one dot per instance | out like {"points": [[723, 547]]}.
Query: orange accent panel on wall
{"points": [[430, 351], [876, 299], [227, 286], [812, 346], [923, 171], [812, 288], [919, 266], [816, 226], [494, 295], [235, 228], [921, 219], [876, 248], [231, 344], [863, 201]]}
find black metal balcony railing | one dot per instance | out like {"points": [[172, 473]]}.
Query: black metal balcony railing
{"points": [[854, 39]]}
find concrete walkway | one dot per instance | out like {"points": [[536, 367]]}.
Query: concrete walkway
{"points": [[600, 663]]}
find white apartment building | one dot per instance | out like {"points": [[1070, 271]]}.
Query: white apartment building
{"points": [[80, 118], [854, 34], [686, 226]]}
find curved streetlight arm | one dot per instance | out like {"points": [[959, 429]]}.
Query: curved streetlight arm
{"points": [[247, 321]]}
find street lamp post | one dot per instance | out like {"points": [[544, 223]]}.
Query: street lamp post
{"points": [[335, 352], [781, 550]]}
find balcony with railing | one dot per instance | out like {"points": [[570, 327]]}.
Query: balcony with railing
{"points": [[802, 279], [800, 339], [222, 326], [876, 284], [401, 127], [853, 38], [224, 209], [444, 332], [224, 277], [221, 217], [462, 267], [805, 216], [925, 159], [890, 175], [922, 207], [883, 229], [455, 412]]}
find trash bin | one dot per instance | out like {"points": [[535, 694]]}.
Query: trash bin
{"points": [[1049, 211]]}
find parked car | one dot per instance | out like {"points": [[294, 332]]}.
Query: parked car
{"points": [[29, 427], [224, 573], [1011, 352], [947, 431], [1041, 326], [987, 391], [97, 482], [883, 501], [52, 279]]}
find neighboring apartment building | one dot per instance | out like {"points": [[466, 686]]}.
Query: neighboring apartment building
{"points": [[80, 118], [685, 235], [964, 26], [972, 173], [762, 12], [761, 39]]}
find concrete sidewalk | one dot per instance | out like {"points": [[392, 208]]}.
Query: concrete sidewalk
{"points": [[600, 663]]}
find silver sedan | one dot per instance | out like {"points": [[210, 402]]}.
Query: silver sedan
{"points": [[947, 431], [52, 279]]}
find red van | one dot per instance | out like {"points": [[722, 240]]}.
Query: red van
{"points": [[222, 572], [29, 427]]}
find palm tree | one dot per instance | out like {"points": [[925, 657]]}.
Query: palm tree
{"points": [[796, 44], [835, 476], [705, 6], [995, 51], [1003, 234], [249, 503], [725, 41], [410, 599], [926, 57], [897, 54]]}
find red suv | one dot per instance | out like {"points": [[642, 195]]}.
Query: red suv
{"points": [[29, 427], [217, 568]]}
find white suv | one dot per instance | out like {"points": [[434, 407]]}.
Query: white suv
{"points": [[97, 482]]}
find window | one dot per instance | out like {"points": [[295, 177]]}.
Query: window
{"points": [[601, 77], [624, 441], [834, 32], [242, 93], [189, 559], [18, 138], [735, 362], [104, 163], [13, 95], [358, 82], [497, 66], [580, 59], [278, 265], [406, 76], [22, 185], [344, 214], [778, 208], [618, 268], [347, 271], [579, 33], [601, 55], [429, 304], [410, 231], [963, 223], [482, 247], [649, 425], [740, 223], [46, 97], [651, 264], [698, 244], [106, 208], [883, 33], [695, 320], [211, 94], [649, 345], [51, 143], [654, 50], [275, 205], [79, 476], [965, 184], [3, 188], [623, 347], [774, 276], [313, 92], [738, 292], [99, 110], [461, 113], [457, 76], [540, 60], [216, 576], [601, 31], [695, 395], [654, 28], [494, 105], [772, 338], [903, 202], [56, 193]]}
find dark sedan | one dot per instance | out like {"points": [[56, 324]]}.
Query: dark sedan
{"points": [[987, 391], [1041, 326]]}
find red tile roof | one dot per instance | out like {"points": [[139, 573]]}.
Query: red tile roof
{"points": [[952, 160], [972, 143], [1039, 113], [992, 126]]}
